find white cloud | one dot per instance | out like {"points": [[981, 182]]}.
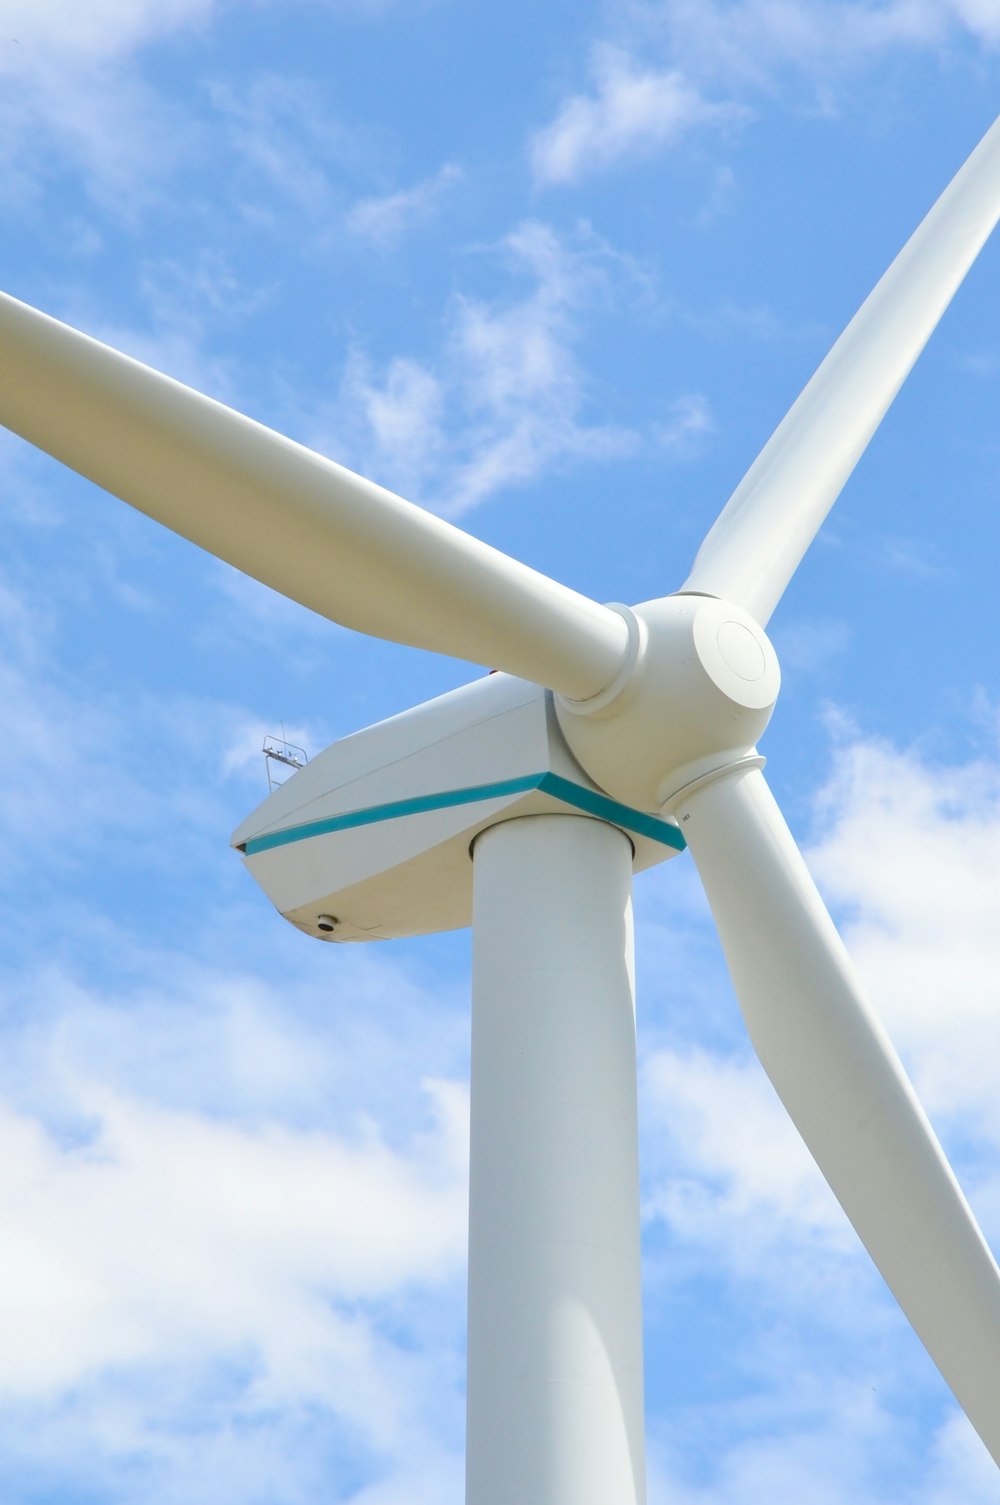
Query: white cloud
{"points": [[225, 1220], [631, 111], [913, 557], [78, 758], [506, 399], [24, 500], [826, 1445], [687, 418], [960, 1467], [757, 42], [751, 41], [911, 855], [72, 95], [287, 141], [67, 84], [384, 220], [403, 414], [89, 34], [655, 84], [736, 1157], [166, 1235]]}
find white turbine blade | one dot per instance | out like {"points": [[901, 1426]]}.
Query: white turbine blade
{"points": [[757, 541], [837, 1074], [303, 525]]}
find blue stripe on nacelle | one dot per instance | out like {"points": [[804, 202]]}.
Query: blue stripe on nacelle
{"points": [[562, 789]]}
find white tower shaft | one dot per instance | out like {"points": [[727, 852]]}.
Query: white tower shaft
{"points": [[555, 1387]]}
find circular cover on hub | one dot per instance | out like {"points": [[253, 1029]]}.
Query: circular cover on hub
{"points": [[735, 653], [741, 651]]}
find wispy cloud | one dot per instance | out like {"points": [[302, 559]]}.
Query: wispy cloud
{"points": [[688, 418], [67, 86], [823, 1444], [384, 220], [287, 143], [758, 41], [94, 33], [911, 857], [685, 65], [507, 398], [743, 1160], [913, 557], [632, 110], [72, 94]]}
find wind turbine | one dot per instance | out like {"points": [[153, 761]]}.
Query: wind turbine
{"points": [[524, 801]]}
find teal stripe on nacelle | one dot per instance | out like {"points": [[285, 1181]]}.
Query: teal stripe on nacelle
{"points": [[610, 810], [561, 789]]}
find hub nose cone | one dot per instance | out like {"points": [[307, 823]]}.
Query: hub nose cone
{"points": [[697, 695], [741, 652]]}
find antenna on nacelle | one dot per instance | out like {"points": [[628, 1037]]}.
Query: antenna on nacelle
{"points": [[279, 752]]}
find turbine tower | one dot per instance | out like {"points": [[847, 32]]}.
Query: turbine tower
{"points": [[524, 802]]}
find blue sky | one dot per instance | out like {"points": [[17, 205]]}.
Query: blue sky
{"points": [[555, 272]]}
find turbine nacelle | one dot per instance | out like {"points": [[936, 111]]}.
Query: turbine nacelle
{"points": [[695, 693], [373, 838]]}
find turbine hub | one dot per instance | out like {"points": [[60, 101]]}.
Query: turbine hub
{"points": [[695, 693]]}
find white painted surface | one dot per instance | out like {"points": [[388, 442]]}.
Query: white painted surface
{"points": [[837, 1074], [555, 1321], [412, 873], [318, 533], [703, 685], [774, 514], [492, 728]]}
